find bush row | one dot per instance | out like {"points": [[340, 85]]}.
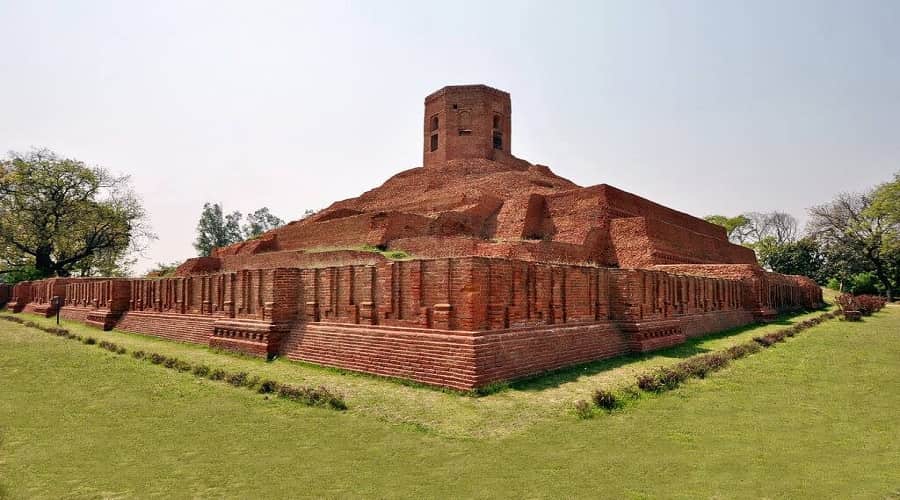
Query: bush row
{"points": [[666, 378], [854, 306], [311, 396]]}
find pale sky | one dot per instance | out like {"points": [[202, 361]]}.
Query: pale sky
{"points": [[707, 107]]}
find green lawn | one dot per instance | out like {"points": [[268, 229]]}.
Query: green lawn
{"points": [[544, 399], [812, 417]]}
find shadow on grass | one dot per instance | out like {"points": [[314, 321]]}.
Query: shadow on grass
{"points": [[690, 348]]}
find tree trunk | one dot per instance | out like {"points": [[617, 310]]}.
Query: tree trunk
{"points": [[44, 264], [885, 281]]}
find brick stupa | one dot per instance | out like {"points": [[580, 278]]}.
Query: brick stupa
{"points": [[514, 270]]}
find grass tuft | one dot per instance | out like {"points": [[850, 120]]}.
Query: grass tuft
{"points": [[583, 409]]}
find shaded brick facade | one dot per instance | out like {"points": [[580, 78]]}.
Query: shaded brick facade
{"points": [[516, 271]]}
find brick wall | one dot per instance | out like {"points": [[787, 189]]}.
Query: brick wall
{"points": [[178, 327], [457, 322]]}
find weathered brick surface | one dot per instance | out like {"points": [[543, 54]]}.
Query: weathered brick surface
{"points": [[179, 327], [517, 271]]}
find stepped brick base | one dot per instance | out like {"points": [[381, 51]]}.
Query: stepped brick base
{"points": [[16, 306], [258, 338], [655, 337], [45, 310]]}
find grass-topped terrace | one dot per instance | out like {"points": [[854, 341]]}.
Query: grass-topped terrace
{"points": [[811, 417]]}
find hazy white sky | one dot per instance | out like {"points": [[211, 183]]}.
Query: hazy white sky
{"points": [[708, 107]]}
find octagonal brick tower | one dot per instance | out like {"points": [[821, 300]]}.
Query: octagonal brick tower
{"points": [[466, 122]]}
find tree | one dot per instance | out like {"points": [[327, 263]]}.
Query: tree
{"points": [[780, 226], [855, 224], [751, 228], [886, 203], [24, 273], [802, 257], [59, 216], [117, 264], [215, 229], [259, 222], [735, 227]]}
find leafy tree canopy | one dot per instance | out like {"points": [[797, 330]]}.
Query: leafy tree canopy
{"points": [[803, 257], [217, 229], [60, 217], [863, 229], [735, 227], [259, 222]]}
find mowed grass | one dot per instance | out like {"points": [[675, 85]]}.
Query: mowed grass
{"points": [[508, 411], [813, 417]]}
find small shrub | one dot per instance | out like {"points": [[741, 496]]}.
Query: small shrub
{"points": [[138, 354], [268, 386], [121, 350], [846, 302], [170, 362], [90, 341], [110, 346], [313, 396], [336, 402], [768, 339], [778, 336], [741, 350], [237, 379], [605, 399], [870, 304], [182, 366], [718, 360], [157, 359], [696, 367], [699, 366], [201, 370], [218, 374], [649, 382], [671, 376], [583, 409]]}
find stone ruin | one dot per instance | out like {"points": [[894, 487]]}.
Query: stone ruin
{"points": [[514, 271]]}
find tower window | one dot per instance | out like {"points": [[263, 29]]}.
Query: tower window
{"points": [[498, 140], [434, 123], [496, 121], [434, 142], [465, 131]]}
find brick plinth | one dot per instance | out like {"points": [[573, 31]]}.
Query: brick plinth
{"points": [[454, 322], [257, 338]]}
